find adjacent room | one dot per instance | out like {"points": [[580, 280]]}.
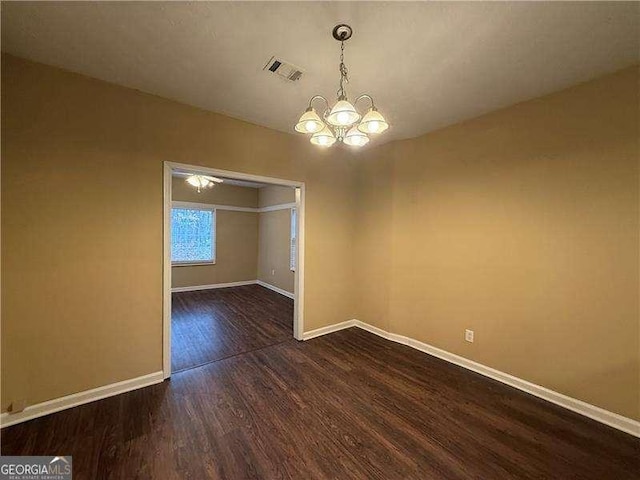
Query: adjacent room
{"points": [[320, 240], [233, 263]]}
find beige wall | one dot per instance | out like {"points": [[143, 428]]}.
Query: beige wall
{"points": [[523, 226], [275, 195], [274, 257], [236, 235], [372, 252], [82, 252], [274, 239]]}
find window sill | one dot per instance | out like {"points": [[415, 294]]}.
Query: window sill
{"points": [[191, 264]]}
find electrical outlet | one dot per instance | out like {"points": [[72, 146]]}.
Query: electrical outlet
{"points": [[273, 272], [468, 335]]}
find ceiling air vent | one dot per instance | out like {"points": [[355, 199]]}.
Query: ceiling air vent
{"points": [[283, 69]]}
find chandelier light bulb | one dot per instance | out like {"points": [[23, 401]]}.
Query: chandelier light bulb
{"points": [[343, 114], [309, 122], [311, 126], [323, 138], [355, 138], [373, 122]]}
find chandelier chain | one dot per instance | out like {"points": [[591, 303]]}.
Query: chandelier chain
{"points": [[344, 78]]}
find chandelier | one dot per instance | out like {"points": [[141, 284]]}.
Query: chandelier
{"points": [[342, 122]]}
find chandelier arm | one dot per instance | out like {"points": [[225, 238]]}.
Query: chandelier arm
{"points": [[364, 95], [316, 97]]}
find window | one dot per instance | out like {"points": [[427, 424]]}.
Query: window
{"points": [[193, 236], [293, 245]]}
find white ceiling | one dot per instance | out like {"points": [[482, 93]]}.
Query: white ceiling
{"points": [[427, 64]]}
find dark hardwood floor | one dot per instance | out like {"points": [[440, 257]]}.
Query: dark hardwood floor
{"points": [[209, 325], [344, 406]]}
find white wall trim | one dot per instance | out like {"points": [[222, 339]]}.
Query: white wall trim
{"points": [[329, 329], [80, 398], [601, 415], [233, 208], [211, 206], [273, 208], [212, 286], [298, 302], [275, 289], [166, 270]]}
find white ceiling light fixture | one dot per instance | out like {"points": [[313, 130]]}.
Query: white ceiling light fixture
{"points": [[203, 181], [342, 122]]}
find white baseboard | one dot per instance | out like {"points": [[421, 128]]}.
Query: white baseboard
{"points": [[601, 415], [233, 284], [275, 289], [330, 329], [212, 286], [80, 398]]}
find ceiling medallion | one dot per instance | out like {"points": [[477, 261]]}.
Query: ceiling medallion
{"points": [[342, 122]]}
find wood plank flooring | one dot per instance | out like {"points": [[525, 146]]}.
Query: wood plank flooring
{"points": [[348, 405], [208, 325]]}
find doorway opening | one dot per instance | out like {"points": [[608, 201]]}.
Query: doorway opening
{"points": [[233, 273]]}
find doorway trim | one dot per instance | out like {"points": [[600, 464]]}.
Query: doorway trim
{"points": [[298, 295]]}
